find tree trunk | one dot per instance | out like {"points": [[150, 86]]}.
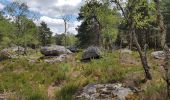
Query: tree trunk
{"points": [[143, 58], [65, 32], [131, 41], [167, 70], [162, 30]]}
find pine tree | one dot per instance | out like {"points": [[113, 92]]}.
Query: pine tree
{"points": [[45, 35]]}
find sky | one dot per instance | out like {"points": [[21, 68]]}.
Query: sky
{"points": [[51, 11]]}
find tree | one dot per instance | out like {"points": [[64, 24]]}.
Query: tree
{"points": [[19, 13], [164, 43], [165, 10], [137, 18], [66, 18], [31, 34], [99, 23], [45, 35], [59, 38], [70, 39], [7, 30]]}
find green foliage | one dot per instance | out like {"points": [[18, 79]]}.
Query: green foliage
{"points": [[19, 30], [69, 38], [45, 35], [142, 14], [166, 14], [101, 13], [7, 30]]}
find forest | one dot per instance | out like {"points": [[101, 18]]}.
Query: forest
{"points": [[119, 51]]}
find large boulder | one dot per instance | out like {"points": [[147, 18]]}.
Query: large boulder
{"points": [[158, 55], [91, 53], [11, 52], [54, 50]]}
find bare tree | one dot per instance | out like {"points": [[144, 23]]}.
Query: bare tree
{"points": [[66, 19]]}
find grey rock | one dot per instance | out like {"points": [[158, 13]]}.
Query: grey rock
{"points": [[54, 50], [11, 52], [91, 52], [55, 59], [158, 55], [104, 92], [72, 49]]}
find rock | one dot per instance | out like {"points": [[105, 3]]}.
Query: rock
{"points": [[11, 52], [73, 49], [4, 55], [91, 53], [54, 50], [158, 55], [126, 51], [15, 49], [104, 92], [54, 59]]}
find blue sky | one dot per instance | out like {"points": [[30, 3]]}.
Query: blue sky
{"points": [[51, 11]]}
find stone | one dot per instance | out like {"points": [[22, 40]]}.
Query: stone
{"points": [[73, 49], [158, 55], [54, 50], [11, 52], [91, 52], [54, 59], [114, 91], [127, 51]]}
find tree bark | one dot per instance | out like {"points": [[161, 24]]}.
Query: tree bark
{"points": [[143, 58]]}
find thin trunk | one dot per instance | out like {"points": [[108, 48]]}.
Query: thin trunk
{"points": [[143, 58], [120, 50], [131, 41], [65, 31], [155, 43]]}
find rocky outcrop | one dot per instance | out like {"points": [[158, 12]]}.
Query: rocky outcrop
{"points": [[104, 92], [11, 52], [91, 53], [54, 50]]}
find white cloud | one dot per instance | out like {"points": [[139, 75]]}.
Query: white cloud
{"points": [[68, 2], [1, 6], [54, 8], [50, 10], [57, 25]]}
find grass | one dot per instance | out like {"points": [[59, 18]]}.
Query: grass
{"points": [[30, 81], [67, 92]]}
